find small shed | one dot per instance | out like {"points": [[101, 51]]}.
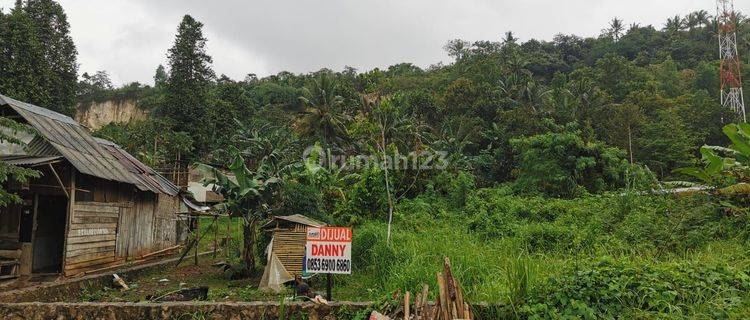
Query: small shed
{"points": [[286, 251], [94, 206]]}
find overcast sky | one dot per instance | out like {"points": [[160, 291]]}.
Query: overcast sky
{"points": [[129, 38]]}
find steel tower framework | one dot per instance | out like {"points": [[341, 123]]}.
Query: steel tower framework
{"points": [[731, 79]]}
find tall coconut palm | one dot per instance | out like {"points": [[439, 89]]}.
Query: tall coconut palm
{"points": [[323, 116], [674, 24], [615, 29], [702, 17]]}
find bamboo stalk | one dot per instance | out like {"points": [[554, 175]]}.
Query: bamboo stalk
{"points": [[443, 296], [417, 305], [407, 296], [425, 299]]}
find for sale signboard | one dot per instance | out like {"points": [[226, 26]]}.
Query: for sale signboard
{"points": [[329, 250]]}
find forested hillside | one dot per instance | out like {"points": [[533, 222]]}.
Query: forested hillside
{"points": [[649, 91]]}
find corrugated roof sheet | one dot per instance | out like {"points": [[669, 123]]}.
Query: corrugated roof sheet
{"points": [[147, 176], [297, 218], [75, 143], [24, 160]]}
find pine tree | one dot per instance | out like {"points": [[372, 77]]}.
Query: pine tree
{"points": [[187, 90], [59, 53], [160, 77]]}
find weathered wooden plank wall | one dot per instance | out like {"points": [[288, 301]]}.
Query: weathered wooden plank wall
{"points": [[107, 233], [92, 236], [165, 221]]}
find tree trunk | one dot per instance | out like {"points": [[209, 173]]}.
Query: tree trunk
{"points": [[630, 145], [248, 250], [387, 163]]}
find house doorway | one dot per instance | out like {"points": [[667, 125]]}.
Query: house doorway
{"points": [[50, 234]]}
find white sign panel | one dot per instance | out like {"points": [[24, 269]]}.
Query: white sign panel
{"points": [[328, 250]]}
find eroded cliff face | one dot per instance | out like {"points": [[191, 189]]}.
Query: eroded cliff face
{"points": [[95, 115]]}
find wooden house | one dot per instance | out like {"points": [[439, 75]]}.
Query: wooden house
{"points": [[94, 206], [288, 239]]}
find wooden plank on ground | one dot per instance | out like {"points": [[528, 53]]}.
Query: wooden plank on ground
{"points": [[80, 268]]}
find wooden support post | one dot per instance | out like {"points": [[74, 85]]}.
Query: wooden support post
{"points": [[62, 185], [216, 235], [229, 236], [71, 212], [197, 243], [329, 287]]}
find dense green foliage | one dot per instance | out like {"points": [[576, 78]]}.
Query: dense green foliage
{"points": [[10, 173], [37, 55], [592, 257], [561, 164], [651, 93], [536, 166]]}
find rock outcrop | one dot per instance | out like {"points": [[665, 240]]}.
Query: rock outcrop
{"points": [[95, 115]]}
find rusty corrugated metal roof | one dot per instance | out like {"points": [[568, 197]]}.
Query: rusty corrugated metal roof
{"points": [[74, 142], [144, 173], [296, 218], [24, 160]]}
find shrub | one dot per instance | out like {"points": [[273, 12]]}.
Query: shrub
{"points": [[561, 164], [613, 289], [297, 198], [456, 187], [546, 236]]}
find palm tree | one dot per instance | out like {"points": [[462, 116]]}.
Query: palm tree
{"points": [[509, 38], [615, 29], [323, 117], [674, 24], [702, 17]]}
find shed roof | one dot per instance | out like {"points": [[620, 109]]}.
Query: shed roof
{"points": [[146, 176], [296, 218], [65, 137], [24, 160]]}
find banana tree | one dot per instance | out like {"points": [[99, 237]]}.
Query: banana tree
{"points": [[725, 169], [247, 194]]}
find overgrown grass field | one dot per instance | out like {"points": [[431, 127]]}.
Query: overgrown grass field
{"points": [[613, 255]]}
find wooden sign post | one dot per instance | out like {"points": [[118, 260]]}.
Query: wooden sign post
{"points": [[328, 250]]}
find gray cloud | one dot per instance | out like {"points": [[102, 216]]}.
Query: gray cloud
{"points": [[130, 38]]}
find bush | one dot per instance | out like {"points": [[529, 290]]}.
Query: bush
{"points": [[561, 164], [366, 199], [617, 222], [546, 237], [456, 187], [614, 289], [297, 198]]}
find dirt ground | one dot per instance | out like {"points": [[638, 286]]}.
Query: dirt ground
{"points": [[162, 281]]}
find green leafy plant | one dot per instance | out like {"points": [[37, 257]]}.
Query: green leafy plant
{"points": [[246, 194], [728, 175]]}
